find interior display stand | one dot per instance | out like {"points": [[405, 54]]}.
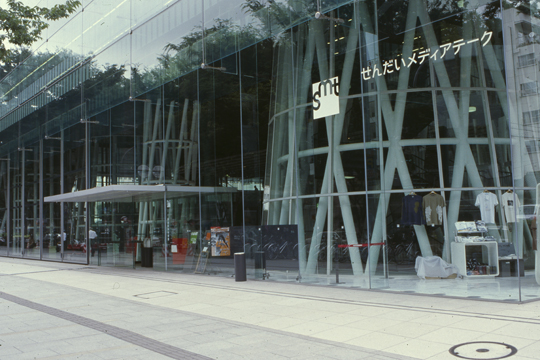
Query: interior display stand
{"points": [[462, 252], [508, 262]]}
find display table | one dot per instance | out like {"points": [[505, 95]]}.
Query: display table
{"points": [[485, 252]]}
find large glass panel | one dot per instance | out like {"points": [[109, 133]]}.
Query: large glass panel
{"points": [[167, 46], [256, 63], [109, 74], [7, 154], [74, 177], [419, 251], [450, 130], [147, 124], [358, 226], [112, 158], [111, 233], [148, 128], [183, 232], [314, 265], [217, 214], [141, 10], [220, 158], [103, 23], [221, 35], [520, 207], [55, 26], [60, 239], [165, 152], [482, 243], [100, 150], [64, 48], [16, 242], [4, 204], [153, 231], [40, 70], [122, 146], [360, 165], [415, 226], [520, 215], [329, 259], [30, 150], [53, 241], [178, 165]]}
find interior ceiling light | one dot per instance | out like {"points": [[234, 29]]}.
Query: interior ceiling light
{"points": [[472, 109]]}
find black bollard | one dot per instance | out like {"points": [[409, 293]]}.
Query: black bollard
{"points": [[240, 266]]}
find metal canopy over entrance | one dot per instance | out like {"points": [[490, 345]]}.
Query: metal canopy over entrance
{"points": [[130, 193]]}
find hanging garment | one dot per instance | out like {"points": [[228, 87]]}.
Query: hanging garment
{"points": [[510, 203], [411, 211], [433, 205], [487, 201]]}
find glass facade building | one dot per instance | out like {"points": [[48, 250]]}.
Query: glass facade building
{"points": [[390, 145]]}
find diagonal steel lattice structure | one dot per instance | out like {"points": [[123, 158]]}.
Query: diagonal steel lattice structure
{"points": [[285, 153]]}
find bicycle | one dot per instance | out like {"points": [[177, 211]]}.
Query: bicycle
{"points": [[403, 253], [282, 251], [338, 254]]}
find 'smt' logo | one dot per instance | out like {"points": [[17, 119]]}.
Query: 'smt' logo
{"points": [[326, 98]]}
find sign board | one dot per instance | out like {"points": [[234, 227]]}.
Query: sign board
{"points": [[325, 98], [193, 237], [221, 241], [202, 262]]}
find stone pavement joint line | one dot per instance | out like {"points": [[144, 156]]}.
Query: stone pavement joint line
{"points": [[124, 335]]}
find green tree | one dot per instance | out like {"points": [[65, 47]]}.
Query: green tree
{"points": [[21, 25]]}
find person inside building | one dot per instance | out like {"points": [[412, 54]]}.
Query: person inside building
{"points": [[31, 243], [93, 242]]}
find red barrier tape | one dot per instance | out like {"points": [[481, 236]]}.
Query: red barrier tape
{"points": [[359, 245]]}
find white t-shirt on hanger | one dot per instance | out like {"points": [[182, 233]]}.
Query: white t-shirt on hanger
{"points": [[487, 201], [509, 202]]}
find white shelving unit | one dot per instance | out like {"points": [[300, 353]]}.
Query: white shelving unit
{"points": [[488, 249]]}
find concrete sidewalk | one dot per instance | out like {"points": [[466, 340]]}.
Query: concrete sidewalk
{"points": [[66, 311]]}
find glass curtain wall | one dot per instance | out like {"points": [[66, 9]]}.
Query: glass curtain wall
{"points": [[417, 162], [432, 151], [520, 206]]}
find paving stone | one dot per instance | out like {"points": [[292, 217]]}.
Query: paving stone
{"points": [[95, 321]]}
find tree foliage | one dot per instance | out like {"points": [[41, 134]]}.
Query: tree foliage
{"points": [[527, 7], [22, 25]]}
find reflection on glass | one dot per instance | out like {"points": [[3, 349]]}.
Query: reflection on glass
{"points": [[111, 233], [428, 110]]}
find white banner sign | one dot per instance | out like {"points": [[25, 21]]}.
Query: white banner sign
{"points": [[325, 98]]}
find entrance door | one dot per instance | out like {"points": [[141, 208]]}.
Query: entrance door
{"points": [[112, 236]]}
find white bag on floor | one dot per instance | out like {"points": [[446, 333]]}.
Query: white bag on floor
{"points": [[434, 266]]}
